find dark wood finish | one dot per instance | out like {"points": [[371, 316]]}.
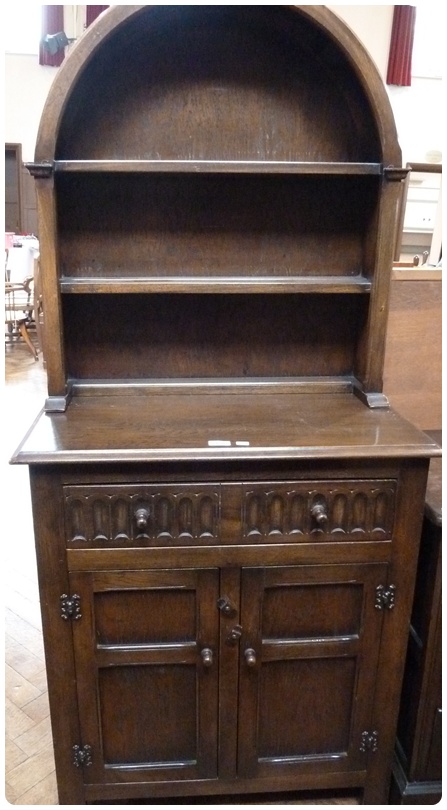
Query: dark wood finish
{"points": [[245, 332], [181, 229], [417, 770], [311, 629], [54, 358], [236, 512], [309, 612], [164, 648], [59, 653], [218, 426], [279, 189], [215, 166]]}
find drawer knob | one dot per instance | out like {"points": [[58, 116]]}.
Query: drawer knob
{"points": [[319, 513], [250, 657], [207, 657], [142, 518]]}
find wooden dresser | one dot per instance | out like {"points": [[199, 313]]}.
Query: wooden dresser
{"points": [[227, 512]]}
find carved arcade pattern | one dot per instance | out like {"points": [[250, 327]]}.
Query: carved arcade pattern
{"points": [[148, 515], [361, 509]]}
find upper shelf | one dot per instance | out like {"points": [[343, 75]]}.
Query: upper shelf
{"points": [[218, 166], [282, 284]]}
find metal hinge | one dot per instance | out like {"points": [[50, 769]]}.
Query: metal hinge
{"points": [[82, 756], [70, 607], [369, 741], [385, 597]]}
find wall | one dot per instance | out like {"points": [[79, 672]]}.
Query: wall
{"points": [[27, 85], [412, 106], [26, 88], [372, 25]]}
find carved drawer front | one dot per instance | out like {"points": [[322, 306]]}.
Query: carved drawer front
{"points": [[326, 510], [144, 515]]}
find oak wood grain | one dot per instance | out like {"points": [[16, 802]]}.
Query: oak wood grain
{"points": [[286, 426], [201, 435]]}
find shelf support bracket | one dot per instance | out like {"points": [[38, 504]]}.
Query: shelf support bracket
{"points": [[373, 399], [44, 169], [395, 173]]}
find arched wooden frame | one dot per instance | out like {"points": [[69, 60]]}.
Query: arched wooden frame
{"points": [[370, 352], [98, 33]]}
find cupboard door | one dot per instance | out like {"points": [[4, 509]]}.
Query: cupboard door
{"points": [[309, 654], [147, 674]]}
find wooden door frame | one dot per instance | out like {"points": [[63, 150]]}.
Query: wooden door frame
{"points": [[17, 149]]}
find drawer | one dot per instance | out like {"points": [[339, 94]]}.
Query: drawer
{"points": [[142, 515], [318, 510]]}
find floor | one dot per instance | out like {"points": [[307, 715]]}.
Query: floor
{"points": [[30, 776]]}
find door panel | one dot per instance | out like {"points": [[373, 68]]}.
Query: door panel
{"points": [[288, 696], [321, 610], [309, 655], [145, 616], [153, 699], [147, 673]]}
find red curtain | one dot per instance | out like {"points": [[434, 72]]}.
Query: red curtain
{"points": [[52, 23], [401, 46], [92, 12]]}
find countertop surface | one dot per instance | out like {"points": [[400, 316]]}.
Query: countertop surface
{"points": [[164, 427]]}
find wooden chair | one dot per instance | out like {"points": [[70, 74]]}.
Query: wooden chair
{"points": [[19, 312]]}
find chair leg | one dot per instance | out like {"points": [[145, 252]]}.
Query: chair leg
{"points": [[24, 333]]}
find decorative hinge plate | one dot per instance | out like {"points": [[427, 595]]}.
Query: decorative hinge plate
{"points": [[369, 741], [385, 597], [82, 756], [71, 607]]}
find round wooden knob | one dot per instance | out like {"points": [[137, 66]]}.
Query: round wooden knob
{"points": [[318, 511], [142, 518], [207, 657], [250, 657]]}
